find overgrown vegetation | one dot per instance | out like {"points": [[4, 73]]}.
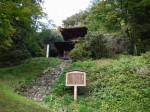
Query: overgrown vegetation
{"points": [[120, 84], [15, 77], [98, 45]]}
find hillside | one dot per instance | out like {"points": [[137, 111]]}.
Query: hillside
{"points": [[14, 77], [121, 84], [109, 40], [113, 85]]}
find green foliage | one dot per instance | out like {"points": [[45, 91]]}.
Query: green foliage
{"points": [[99, 45], [11, 102], [22, 74], [146, 56], [14, 77], [126, 17], [112, 85], [18, 26], [82, 21], [13, 57], [80, 52], [6, 29], [47, 36], [59, 88], [53, 102]]}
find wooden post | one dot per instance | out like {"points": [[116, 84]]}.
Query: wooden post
{"points": [[47, 51], [75, 93]]}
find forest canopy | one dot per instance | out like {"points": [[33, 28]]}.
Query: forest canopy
{"points": [[19, 30], [128, 18]]}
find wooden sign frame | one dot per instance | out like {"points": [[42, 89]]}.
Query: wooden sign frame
{"points": [[78, 81]]}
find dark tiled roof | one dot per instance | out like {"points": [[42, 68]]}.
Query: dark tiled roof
{"points": [[73, 32]]}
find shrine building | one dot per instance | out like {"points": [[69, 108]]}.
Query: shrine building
{"points": [[70, 36]]}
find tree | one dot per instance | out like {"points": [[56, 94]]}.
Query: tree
{"points": [[97, 43], [130, 16], [48, 36], [17, 18], [18, 26], [82, 15]]}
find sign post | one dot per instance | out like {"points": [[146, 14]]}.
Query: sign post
{"points": [[75, 93], [75, 78]]}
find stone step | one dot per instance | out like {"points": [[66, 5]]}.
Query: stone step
{"points": [[40, 87], [45, 83]]}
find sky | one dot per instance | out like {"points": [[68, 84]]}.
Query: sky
{"points": [[59, 10]]}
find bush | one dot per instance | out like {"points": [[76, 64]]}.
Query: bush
{"points": [[147, 57], [80, 51], [8, 58], [117, 43], [93, 45], [97, 43]]}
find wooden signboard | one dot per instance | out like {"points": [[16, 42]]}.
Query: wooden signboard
{"points": [[75, 78]]}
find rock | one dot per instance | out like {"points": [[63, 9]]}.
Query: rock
{"points": [[39, 88]]}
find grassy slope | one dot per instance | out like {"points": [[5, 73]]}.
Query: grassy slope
{"points": [[14, 77], [113, 85]]}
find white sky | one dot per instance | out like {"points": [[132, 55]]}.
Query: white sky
{"points": [[59, 10]]}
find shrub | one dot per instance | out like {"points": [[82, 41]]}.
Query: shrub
{"points": [[118, 44], [94, 45], [97, 43], [80, 51], [13, 57], [146, 55]]}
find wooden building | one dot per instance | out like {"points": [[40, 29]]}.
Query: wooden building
{"points": [[70, 36]]}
